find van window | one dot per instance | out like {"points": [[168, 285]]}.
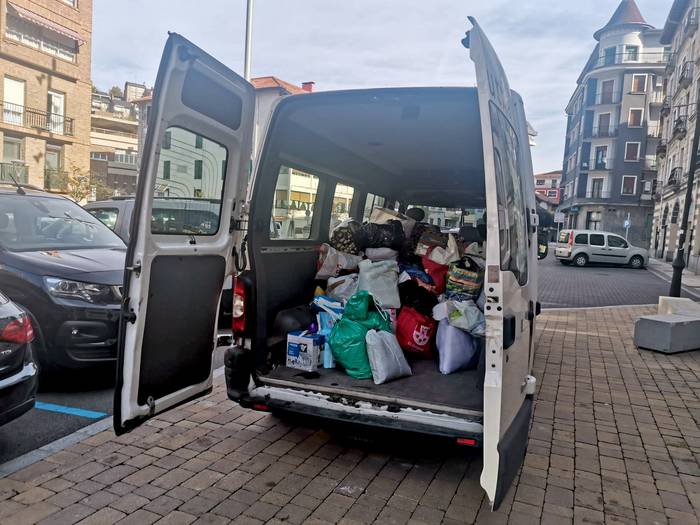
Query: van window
{"points": [[581, 238], [564, 236], [616, 242], [106, 215], [597, 239], [372, 201], [511, 203], [189, 185], [294, 204], [342, 200]]}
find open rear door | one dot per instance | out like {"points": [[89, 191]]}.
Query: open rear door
{"points": [[192, 180], [511, 283]]}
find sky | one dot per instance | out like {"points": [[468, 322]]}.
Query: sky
{"points": [[341, 44]]}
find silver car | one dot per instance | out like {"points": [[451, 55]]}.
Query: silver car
{"points": [[581, 247]]}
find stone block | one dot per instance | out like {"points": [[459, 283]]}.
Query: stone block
{"points": [[667, 333]]}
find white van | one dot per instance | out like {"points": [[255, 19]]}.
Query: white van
{"points": [[455, 148]]}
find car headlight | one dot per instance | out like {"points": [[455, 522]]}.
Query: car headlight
{"points": [[90, 292]]}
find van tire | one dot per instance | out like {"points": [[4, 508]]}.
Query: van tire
{"points": [[637, 262], [581, 260]]}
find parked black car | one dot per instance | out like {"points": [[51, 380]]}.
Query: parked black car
{"points": [[18, 373], [65, 268]]}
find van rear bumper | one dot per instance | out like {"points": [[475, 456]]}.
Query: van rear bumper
{"points": [[363, 412]]}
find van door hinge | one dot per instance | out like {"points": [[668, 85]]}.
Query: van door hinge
{"points": [[151, 406], [128, 314], [136, 269]]}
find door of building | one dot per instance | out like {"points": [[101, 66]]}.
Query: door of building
{"points": [[13, 101], [606, 92], [56, 107]]}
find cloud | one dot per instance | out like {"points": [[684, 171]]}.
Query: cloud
{"points": [[543, 45]]}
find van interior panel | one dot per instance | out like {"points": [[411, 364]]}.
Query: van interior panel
{"points": [[418, 146]]}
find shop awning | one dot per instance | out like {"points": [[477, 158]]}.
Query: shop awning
{"points": [[34, 18]]}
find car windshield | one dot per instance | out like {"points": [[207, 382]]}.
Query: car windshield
{"points": [[33, 223]]}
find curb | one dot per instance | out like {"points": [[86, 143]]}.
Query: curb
{"points": [[31, 457], [664, 277]]}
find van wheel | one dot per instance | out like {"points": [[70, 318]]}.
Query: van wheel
{"points": [[637, 262], [581, 260]]}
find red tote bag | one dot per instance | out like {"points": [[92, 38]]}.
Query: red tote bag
{"points": [[415, 332]]}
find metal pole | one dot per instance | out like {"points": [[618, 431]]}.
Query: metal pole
{"points": [[679, 260], [248, 39]]}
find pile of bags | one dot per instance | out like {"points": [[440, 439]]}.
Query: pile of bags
{"points": [[397, 291]]}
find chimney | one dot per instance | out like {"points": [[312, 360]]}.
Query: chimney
{"points": [[308, 86]]}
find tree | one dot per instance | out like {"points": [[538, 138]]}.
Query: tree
{"points": [[116, 92], [76, 183]]}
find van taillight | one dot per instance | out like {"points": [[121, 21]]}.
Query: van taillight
{"points": [[571, 238], [18, 331], [238, 308]]}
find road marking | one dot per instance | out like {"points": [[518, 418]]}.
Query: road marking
{"points": [[51, 407]]}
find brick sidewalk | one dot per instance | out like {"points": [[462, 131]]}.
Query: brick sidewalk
{"points": [[615, 439]]}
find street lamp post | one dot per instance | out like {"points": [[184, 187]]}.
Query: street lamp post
{"points": [[248, 39], [679, 261]]}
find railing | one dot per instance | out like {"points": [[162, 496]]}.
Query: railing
{"points": [[675, 178], [608, 97], [666, 107], [654, 132], [604, 131], [631, 57], [658, 97], [33, 118], [597, 194], [661, 149], [56, 180], [650, 164], [680, 126], [114, 132], [125, 158], [686, 76], [10, 172], [670, 62], [598, 164]]}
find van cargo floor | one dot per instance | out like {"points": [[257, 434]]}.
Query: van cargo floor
{"points": [[426, 388]]}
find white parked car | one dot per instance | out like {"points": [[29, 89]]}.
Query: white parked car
{"points": [[581, 247]]}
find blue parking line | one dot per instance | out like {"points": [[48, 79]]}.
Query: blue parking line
{"points": [[91, 414]]}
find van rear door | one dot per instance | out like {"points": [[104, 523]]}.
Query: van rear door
{"points": [[197, 150], [511, 274]]}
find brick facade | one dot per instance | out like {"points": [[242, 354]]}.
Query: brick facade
{"points": [[42, 72]]}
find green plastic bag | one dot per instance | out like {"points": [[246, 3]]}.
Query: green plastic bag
{"points": [[376, 321], [349, 350], [358, 306]]}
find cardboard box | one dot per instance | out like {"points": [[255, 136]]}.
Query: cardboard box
{"points": [[304, 350]]}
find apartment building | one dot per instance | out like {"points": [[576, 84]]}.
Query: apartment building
{"points": [[613, 129], [114, 141], [680, 32], [45, 90], [547, 186]]}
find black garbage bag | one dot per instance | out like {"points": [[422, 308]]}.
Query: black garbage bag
{"points": [[389, 235]]}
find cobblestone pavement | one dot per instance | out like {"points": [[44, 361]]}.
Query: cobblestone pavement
{"points": [[568, 286], [614, 439]]}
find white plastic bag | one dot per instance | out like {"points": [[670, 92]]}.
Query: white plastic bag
{"points": [[381, 279], [381, 254], [385, 357], [447, 255], [383, 215], [342, 288], [467, 316], [331, 261], [456, 348]]}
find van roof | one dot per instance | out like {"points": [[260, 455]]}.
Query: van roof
{"points": [[426, 138]]}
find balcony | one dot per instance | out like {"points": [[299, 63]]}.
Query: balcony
{"points": [[607, 97], [56, 180], [661, 149], [680, 127], [649, 164], [657, 196], [670, 63], [632, 57], [597, 193], [36, 119], [11, 172], [654, 131], [666, 107], [598, 164], [686, 76], [114, 132], [675, 178], [603, 131]]}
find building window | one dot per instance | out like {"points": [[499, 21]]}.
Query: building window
{"points": [[593, 220], [632, 53], [198, 167], [635, 118], [539, 182], [552, 193], [167, 140], [11, 149], [198, 141], [639, 83], [632, 151], [609, 56], [72, 3], [675, 212], [166, 170], [629, 185], [40, 38]]}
